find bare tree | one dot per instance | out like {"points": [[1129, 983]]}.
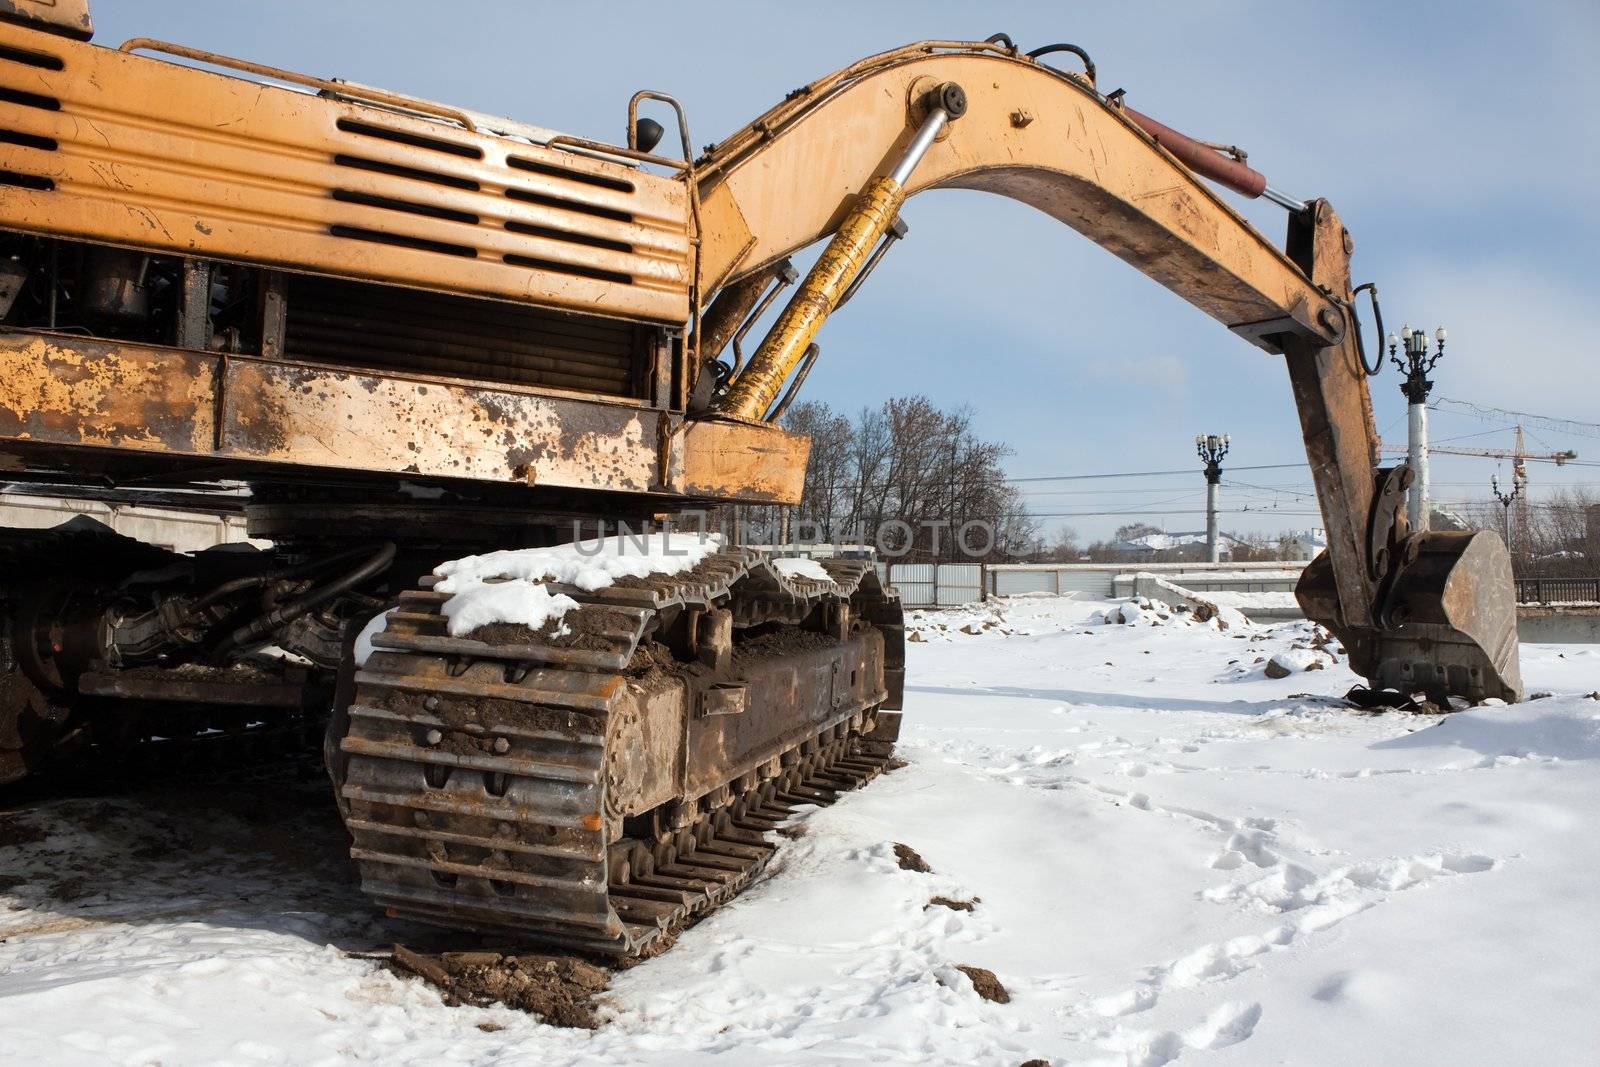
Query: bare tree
{"points": [[1562, 537], [909, 464]]}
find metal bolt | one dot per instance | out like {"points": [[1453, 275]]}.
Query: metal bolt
{"points": [[420, 818], [501, 746], [431, 704], [433, 737], [1331, 321]]}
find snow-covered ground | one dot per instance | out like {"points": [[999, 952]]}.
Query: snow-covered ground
{"points": [[1253, 600], [1173, 857]]}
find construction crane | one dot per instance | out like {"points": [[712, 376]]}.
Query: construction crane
{"points": [[1519, 457]]}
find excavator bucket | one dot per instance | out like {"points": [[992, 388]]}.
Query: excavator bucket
{"points": [[1447, 622]]}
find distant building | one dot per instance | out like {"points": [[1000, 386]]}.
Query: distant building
{"points": [[1181, 547], [1441, 518], [1304, 544]]}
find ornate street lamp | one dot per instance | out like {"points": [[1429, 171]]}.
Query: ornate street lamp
{"points": [[1416, 386], [1211, 448], [1519, 482]]}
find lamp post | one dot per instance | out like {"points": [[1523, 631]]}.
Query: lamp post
{"points": [[1416, 386], [1518, 483], [1211, 448]]}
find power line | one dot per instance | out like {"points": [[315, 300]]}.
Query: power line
{"points": [[1494, 414], [1470, 436], [1148, 474], [976, 481], [1168, 511], [1282, 490], [1102, 492]]}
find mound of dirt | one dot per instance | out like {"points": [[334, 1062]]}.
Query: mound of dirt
{"points": [[909, 860], [561, 990], [951, 903], [985, 983]]}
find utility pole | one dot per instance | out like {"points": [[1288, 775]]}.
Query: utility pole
{"points": [[1212, 448], [1416, 367], [1518, 482]]}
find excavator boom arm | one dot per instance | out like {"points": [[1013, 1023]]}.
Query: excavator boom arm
{"points": [[1030, 133], [837, 158]]}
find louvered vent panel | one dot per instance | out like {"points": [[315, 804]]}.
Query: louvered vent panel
{"points": [[380, 328], [103, 145]]}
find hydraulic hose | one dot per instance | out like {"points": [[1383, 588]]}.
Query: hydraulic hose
{"points": [[1371, 289], [298, 570], [253, 632], [1088, 64]]}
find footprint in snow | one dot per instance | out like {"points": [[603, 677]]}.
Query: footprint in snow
{"points": [[1228, 1024]]}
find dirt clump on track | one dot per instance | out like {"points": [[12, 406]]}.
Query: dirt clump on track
{"points": [[486, 712], [592, 630], [561, 990]]}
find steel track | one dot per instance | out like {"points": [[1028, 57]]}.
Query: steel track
{"points": [[476, 777]]}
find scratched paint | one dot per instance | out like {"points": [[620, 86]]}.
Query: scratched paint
{"points": [[367, 422], [98, 393]]}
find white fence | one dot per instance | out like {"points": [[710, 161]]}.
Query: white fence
{"points": [[941, 585], [1100, 579], [928, 585]]}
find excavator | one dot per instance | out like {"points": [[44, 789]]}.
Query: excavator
{"points": [[411, 333]]}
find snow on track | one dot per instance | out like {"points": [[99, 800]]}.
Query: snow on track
{"points": [[510, 585], [1174, 856]]}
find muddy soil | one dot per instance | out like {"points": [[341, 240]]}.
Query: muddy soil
{"points": [[985, 983], [951, 903], [489, 712], [909, 860], [15, 830], [590, 629], [561, 990]]}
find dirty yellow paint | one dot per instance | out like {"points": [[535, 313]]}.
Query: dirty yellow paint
{"points": [[97, 393]]}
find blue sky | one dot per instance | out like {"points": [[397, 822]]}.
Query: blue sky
{"points": [[1458, 140]]}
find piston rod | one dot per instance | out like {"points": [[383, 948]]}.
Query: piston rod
{"points": [[828, 283], [1206, 161]]}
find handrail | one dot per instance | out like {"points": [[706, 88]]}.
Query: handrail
{"points": [[356, 92], [568, 140], [671, 101]]}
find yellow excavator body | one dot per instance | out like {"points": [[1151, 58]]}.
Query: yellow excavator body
{"points": [[418, 333]]}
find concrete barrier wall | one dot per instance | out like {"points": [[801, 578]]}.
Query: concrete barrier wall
{"points": [[1099, 579], [1537, 624], [181, 531]]}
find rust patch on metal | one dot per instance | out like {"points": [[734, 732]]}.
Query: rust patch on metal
{"points": [[741, 461], [100, 393], [69, 17], [371, 422], [57, 390]]}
